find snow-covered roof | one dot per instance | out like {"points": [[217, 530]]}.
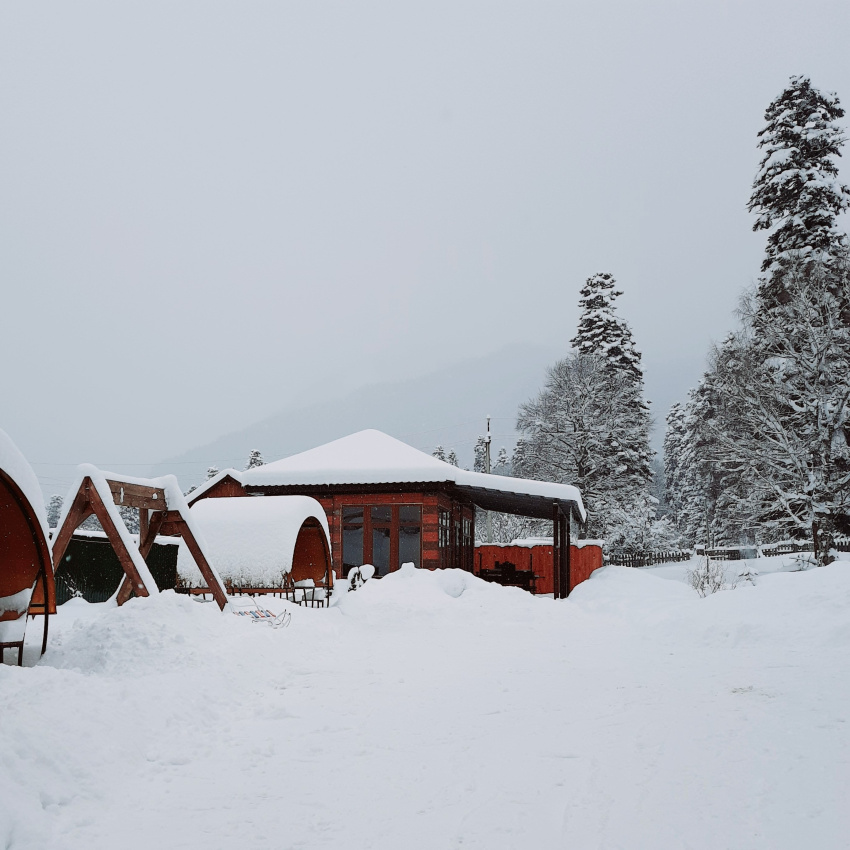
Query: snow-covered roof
{"points": [[372, 457], [199, 491], [15, 465], [250, 541]]}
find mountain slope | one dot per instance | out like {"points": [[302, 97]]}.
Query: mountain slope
{"points": [[448, 406]]}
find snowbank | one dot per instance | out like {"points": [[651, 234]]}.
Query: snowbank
{"points": [[451, 713]]}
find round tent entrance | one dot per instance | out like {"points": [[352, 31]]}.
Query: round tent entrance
{"points": [[276, 545], [26, 568]]}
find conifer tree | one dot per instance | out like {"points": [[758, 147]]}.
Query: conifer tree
{"points": [[439, 453], [590, 424], [480, 454], [451, 457], [255, 459], [796, 192], [54, 510], [212, 471], [674, 446], [601, 331]]}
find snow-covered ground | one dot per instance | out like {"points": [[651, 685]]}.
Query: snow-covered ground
{"points": [[432, 710]]}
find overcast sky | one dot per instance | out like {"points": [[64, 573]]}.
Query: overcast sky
{"points": [[213, 211]]}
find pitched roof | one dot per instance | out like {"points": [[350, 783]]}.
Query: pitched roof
{"points": [[372, 457]]}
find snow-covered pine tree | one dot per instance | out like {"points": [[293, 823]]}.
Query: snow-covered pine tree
{"points": [[130, 517], [580, 429], [521, 459], [54, 510], [439, 453], [674, 446], [590, 424], [480, 453], [255, 459], [451, 457], [601, 331], [503, 463], [796, 192], [212, 471], [785, 395]]}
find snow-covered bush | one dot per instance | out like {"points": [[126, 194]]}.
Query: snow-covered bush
{"points": [[358, 576], [708, 577], [748, 573]]}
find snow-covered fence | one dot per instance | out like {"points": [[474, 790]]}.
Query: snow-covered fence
{"points": [[728, 553], [787, 548], [646, 559]]}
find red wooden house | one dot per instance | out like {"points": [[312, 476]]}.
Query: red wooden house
{"points": [[388, 503]]}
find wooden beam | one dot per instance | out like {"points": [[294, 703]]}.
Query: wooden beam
{"points": [[137, 495], [564, 553], [147, 539], [556, 551], [148, 530], [81, 509], [138, 586], [125, 590], [171, 524], [216, 589]]}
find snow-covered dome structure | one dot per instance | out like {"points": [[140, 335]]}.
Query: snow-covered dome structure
{"points": [[260, 543], [26, 567]]}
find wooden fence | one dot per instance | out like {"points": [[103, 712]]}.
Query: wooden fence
{"points": [[730, 553], [646, 559]]}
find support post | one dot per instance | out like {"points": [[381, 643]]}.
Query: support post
{"points": [[568, 550], [556, 551], [565, 555]]}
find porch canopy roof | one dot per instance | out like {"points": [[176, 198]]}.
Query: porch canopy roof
{"points": [[373, 461]]}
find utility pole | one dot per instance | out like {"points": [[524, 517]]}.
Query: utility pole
{"points": [[489, 518]]}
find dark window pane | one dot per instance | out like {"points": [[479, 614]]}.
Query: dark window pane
{"points": [[381, 550], [409, 547], [381, 513], [352, 516], [409, 514], [352, 547]]}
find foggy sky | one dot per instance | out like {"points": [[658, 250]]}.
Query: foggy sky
{"points": [[212, 212]]}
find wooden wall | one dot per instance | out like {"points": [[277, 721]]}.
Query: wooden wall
{"points": [[583, 561]]}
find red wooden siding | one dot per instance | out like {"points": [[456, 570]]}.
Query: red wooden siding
{"points": [[225, 488], [583, 561]]}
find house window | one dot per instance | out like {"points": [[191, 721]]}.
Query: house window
{"points": [[410, 535], [445, 538], [468, 544], [385, 536], [352, 538], [382, 535]]}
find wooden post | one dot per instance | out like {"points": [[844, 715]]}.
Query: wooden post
{"points": [[556, 551], [136, 583], [217, 590], [565, 555], [568, 551]]}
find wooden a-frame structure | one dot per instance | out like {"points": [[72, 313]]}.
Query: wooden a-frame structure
{"points": [[155, 517]]}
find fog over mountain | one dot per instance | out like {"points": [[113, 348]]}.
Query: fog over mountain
{"points": [[448, 407]]}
